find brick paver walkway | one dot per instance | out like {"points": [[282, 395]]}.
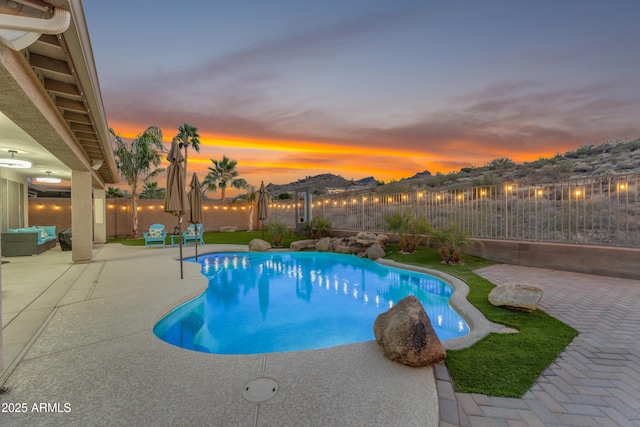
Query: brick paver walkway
{"points": [[594, 382]]}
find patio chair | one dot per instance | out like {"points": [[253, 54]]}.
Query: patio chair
{"points": [[189, 236], [155, 236]]}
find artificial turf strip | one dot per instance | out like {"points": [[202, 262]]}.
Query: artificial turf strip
{"points": [[501, 364], [211, 237]]}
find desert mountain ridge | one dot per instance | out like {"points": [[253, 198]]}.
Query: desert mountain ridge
{"points": [[609, 158], [324, 183]]}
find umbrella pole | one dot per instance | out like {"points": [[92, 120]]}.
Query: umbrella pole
{"points": [[180, 234], [196, 242]]}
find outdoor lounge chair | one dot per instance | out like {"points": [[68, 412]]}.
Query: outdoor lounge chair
{"points": [[189, 236], [155, 236]]}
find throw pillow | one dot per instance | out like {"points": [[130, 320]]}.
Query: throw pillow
{"points": [[43, 234], [190, 232], [155, 232]]}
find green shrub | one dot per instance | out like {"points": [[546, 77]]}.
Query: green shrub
{"points": [[277, 230], [317, 228], [501, 163], [451, 240], [411, 229]]}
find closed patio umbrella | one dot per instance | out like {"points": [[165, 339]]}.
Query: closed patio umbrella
{"points": [[263, 206], [176, 201], [195, 205]]}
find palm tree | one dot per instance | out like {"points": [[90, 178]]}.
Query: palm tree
{"points": [[138, 162], [113, 193], [222, 175], [188, 135], [150, 190]]}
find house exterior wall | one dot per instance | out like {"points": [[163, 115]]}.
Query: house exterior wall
{"points": [[13, 200]]}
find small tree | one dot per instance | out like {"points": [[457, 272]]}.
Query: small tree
{"points": [[451, 240], [138, 162], [411, 229]]}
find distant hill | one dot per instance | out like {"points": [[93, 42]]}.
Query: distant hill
{"points": [[611, 158], [322, 184]]}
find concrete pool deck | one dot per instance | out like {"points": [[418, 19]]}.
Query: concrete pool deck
{"points": [[81, 334]]}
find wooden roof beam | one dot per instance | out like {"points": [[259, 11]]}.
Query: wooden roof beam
{"points": [[49, 64], [76, 117], [62, 88], [70, 104]]}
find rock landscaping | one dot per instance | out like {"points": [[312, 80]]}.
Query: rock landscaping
{"points": [[369, 245], [259, 245], [518, 296], [405, 335]]}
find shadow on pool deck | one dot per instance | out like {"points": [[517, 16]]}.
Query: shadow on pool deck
{"points": [[82, 334]]}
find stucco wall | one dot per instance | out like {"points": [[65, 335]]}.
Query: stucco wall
{"points": [[601, 260], [56, 211]]}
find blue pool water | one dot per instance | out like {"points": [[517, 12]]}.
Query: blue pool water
{"points": [[260, 302]]}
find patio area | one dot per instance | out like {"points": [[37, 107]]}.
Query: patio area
{"points": [[81, 335]]}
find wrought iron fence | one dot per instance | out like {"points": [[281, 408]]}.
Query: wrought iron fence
{"points": [[599, 211]]}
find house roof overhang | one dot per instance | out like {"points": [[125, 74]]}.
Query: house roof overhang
{"points": [[51, 104]]}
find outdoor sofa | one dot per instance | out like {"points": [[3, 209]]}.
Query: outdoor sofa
{"points": [[28, 241]]}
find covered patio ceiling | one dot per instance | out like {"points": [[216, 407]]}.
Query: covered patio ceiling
{"points": [[51, 109]]}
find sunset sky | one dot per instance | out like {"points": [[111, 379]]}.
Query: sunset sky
{"points": [[382, 88]]}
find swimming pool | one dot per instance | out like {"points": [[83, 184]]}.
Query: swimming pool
{"points": [[263, 302]]}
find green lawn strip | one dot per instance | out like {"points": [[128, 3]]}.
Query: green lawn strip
{"points": [[501, 364], [216, 237]]}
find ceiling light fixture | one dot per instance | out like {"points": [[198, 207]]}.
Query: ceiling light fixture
{"points": [[49, 179], [13, 162]]}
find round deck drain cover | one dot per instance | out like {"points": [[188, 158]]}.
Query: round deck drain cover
{"points": [[260, 389]]}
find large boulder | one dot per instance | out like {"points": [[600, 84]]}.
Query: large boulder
{"points": [[365, 239], [343, 249], [304, 245], [406, 336], [519, 296], [324, 245], [383, 240], [258, 245], [375, 251]]}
